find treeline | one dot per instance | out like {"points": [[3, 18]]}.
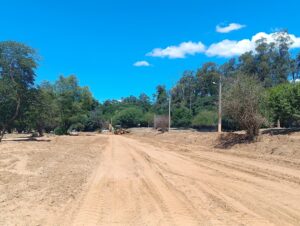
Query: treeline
{"points": [[260, 89]]}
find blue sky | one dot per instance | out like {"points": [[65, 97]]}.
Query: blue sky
{"points": [[100, 41]]}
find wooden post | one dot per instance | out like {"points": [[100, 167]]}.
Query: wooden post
{"points": [[220, 106]]}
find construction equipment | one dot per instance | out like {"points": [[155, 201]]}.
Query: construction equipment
{"points": [[120, 131]]}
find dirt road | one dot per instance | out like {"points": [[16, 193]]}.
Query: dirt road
{"points": [[146, 178], [138, 183]]}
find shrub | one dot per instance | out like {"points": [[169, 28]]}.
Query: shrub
{"points": [[284, 104], [205, 119], [181, 117], [77, 127], [242, 103], [59, 131], [129, 117], [147, 119]]}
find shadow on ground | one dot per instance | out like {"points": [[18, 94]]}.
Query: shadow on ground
{"points": [[26, 139], [228, 140]]}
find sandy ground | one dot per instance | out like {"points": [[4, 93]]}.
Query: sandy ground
{"points": [[39, 179], [146, 178]]}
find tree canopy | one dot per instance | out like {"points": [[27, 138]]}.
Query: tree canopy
{"points": [[270, 73]]}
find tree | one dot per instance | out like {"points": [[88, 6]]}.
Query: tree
{"points": [[42, 112], [129, 117], [148, 119], [284, 103], [281, 66], [184, 93], [228, 68], [247, 64], [95, 120], [263, 60], [295, 68], [144, 102], [74, 103], [208, 75], [181, 117], [242, 101], [161, 102], [17, 74], [205, 119]]}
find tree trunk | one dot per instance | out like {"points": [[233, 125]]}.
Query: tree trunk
{"points": [[278, 123], [2, 132], [41, 132]]}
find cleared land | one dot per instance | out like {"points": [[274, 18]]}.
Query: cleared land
{"points": [[147, 178]]}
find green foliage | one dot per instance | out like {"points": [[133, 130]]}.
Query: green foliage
{"points": [[181, 117], [205, 118], [147, 119], [74, 103], [129, 117], [41, 113], [162, 100], [284, 103], [206, 103], [208, 76], [184, 93], [95, 120], [60, 131], [65, 105], [17, 74]]}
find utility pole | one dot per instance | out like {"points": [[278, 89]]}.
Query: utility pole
{"points": [[220, 106], [170, 111]]}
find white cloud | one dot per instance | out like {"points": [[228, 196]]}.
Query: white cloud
{"points": [[225, 48], [296, 41], [231, 48], [229, 28], [141, 64], [180, 51]]}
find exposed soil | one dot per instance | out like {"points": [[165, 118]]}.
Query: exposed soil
{"points": [[39, 179], [147, 178]]}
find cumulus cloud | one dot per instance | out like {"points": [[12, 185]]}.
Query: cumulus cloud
{"points": [[231, 48], [229, 28], [141, 64], [180, 51], [225, 48]]}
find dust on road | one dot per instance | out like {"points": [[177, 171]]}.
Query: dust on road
{"points": [[142, 180]]}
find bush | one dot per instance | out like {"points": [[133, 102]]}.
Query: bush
{"points": [[77, 127], [284, 104], [205, 119], [130, 117], [147, 119], [59, 131], [242, 103], [181, 117]]}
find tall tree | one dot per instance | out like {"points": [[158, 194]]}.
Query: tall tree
{"points": [[208, 75], [184, 93], [17, 74], [144, 102], [263, 61], [161, 100], [281, 66], [74, 103]]}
